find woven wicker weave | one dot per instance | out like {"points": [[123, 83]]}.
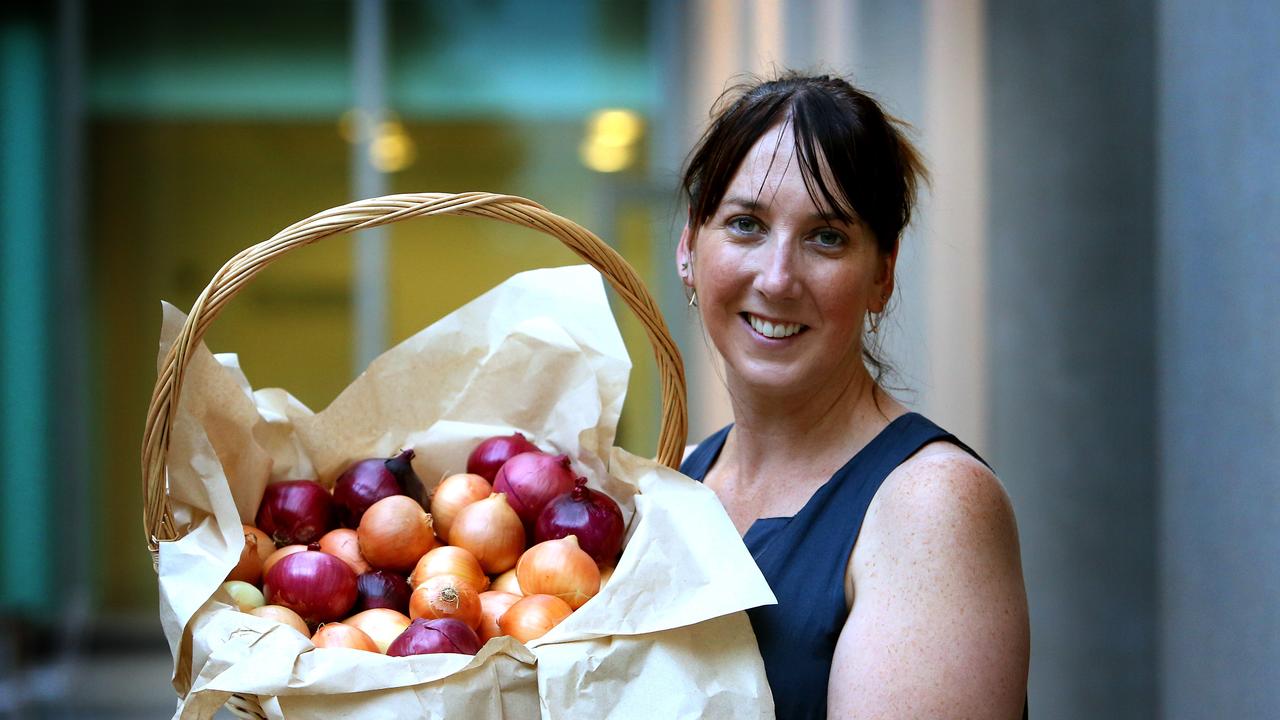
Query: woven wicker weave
{"points": [[158, 522]]}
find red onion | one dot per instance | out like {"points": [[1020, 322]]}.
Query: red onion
{"points": [[590, 515], [381, 589], [368, 481], [295, 512], [492, 453], [316, 585], [531, 480], [424, 637]]}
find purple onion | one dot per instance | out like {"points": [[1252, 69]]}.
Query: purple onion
{"points": [[424, 637], [368, 481], [530, 481], [490, 454], [381, 589], [295, 512], [592, 516], [317, 586]]}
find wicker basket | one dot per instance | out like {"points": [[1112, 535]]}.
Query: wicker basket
{"points": [[158, 521]]}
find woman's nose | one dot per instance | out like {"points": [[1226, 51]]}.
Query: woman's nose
{"points": [[776, 276]]}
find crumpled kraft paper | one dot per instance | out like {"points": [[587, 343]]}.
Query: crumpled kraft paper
{"points": [[540, 354]]}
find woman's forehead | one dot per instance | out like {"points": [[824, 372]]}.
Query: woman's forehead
{"points": [[772, 170]]}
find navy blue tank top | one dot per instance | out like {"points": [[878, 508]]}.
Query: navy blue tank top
{"points": [[809, 551]]}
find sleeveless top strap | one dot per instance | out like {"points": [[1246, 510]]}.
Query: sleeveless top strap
{"points": [[804, 559]]}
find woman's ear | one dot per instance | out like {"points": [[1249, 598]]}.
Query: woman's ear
{"points": [[884, 280], [684, 256]]}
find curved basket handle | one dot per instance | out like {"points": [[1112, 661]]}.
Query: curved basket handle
{"points": [[158, 521]]}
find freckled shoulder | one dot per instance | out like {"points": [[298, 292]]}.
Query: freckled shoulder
{"points": [[940, 503]]}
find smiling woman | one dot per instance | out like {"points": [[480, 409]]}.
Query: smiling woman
{"points": [[891, 546]]}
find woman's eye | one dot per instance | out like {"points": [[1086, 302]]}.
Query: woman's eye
{"points": [[744, 225], [829, 238]]}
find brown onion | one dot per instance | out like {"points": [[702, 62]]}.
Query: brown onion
{"points": [[446, 596], [492, 532], [454, 493], [394, 533], [493, 604], [507, 582], [282, 614], [249, 568], [531, 480], [276, 556], [532, 616], [382, 625], [560, 568], [450, 560], [334, 635], [489, 455], [345, 545]]}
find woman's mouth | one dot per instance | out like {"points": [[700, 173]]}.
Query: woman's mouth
{"points": [[774, 329]]}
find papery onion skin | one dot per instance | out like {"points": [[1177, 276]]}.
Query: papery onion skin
{"points": [[493, 604], [284, 615], [381, 589], [424, 637], [279, 555], [530, 481], [593, 517], [559, 568], [492, 532], [446, 596], [450, 560], [532, 616], [362, 484], [344, 544], [454, 493], [340, 635], [382, 625], [395, 533], [317, 586], [295, 512], [490, 454]]}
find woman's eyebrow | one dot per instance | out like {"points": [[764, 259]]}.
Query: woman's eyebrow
{"points": [[751, 205]]}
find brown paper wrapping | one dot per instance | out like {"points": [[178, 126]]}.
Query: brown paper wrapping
{"points": [[541, 354]]}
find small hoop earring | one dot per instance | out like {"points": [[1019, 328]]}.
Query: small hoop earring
{"points": [[693, 299]]}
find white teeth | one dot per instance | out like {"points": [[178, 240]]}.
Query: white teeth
{"points": [[770, 330]]}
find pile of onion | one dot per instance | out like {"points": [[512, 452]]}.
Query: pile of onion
{"points": [[523, 552]]}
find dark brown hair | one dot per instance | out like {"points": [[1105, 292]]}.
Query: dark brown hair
{"points": [[853, 156]]}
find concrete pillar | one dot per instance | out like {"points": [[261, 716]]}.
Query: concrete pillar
{"points": [[1072, 340], [1219, 349]]}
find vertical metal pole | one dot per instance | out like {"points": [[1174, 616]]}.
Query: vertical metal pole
{"points": [[70, 389], [369, 314]]}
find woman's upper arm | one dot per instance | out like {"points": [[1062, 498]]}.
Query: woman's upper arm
{"points": [[939, 625]]}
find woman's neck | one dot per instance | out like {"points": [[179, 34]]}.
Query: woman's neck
{"points": [[804, 435]]}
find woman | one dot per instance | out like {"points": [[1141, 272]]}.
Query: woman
{"points": [[891, 546]]}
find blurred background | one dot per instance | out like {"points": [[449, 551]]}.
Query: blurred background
{"points": [[1088, 296]]}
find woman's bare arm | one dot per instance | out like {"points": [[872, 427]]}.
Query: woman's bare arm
{"points": [[939, 626]]}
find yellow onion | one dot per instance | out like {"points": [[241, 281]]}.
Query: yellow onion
{"points": [[284, 615], [395, 533], [450, 560], [493, 604], [507, 582], [382, 625], [454, 493], [559, 568], [334, 635], [446, 596], [344, 544], [532, 616], [491, 531]]}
